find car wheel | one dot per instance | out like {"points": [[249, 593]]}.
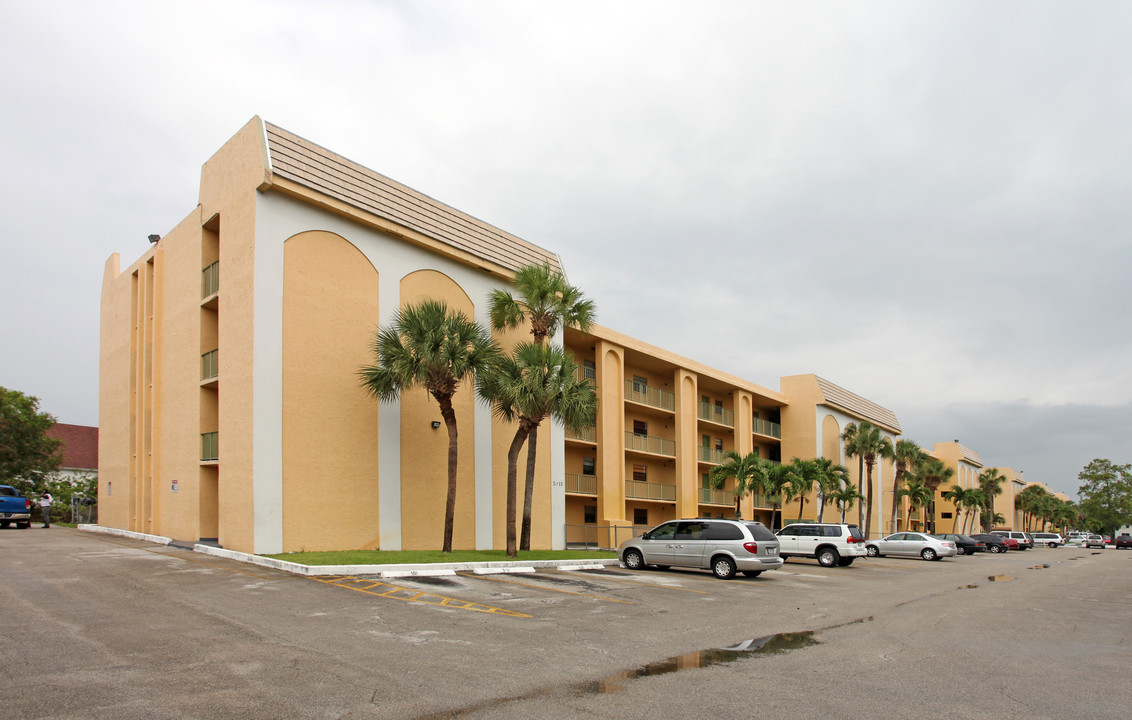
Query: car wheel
{"points": [[4, 523], [752, 573], [634, 560], [723, 567], [23, 525], [996, 549], [845, 562], [828, 557], [969, 551], [1051, 545], [872, 550], [928, 554]]}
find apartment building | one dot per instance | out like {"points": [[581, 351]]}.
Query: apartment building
{"points": [[967, 466]]}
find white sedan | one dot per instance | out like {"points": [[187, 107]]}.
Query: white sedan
{"points": [[912, 544]]}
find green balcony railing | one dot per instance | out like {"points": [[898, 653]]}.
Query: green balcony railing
{"points": [[586, 373], [651, 396], [650, 444], [649, 491], [210, 280], [766, 427], [711, 496], [585, 435], [716, 414], [584, 484], [711, 455], [209, 365], [210, 446]]}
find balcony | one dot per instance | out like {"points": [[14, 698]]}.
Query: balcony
{"points": [[588, 374], [711, 455], [650, 444], [210, 281], [716, 414], [653, 397], [649, 491], [581, 484], [209, 446], [766, 427], [209, 365], [587, 435], [711, 496]]}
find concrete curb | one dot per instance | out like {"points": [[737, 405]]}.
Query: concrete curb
{"points": [[382, 571]]}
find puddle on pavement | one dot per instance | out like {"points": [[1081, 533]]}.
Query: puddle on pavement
{"points": [[968, 587], [432, 580], [769, 645], [1039, 567], [999, 578]]}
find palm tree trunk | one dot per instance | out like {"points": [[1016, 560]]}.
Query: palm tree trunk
{"points": [[955, 524], [861, 489], [869, 499], [529, 490], [895, 498], [512, 485], [449, 416]]}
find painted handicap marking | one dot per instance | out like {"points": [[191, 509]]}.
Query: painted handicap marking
{"points": [[395, 592]]}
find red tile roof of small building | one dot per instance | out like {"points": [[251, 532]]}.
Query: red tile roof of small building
{"points": [[80, 445]]}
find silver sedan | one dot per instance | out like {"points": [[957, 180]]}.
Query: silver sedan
{"points": [[912, 544]]}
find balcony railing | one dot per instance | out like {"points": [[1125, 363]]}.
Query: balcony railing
{"points": [[586, 373], [650, 444], [711, 496], [209, 365], [716, 414], [210, 280], [647, 395], [766, 427], [711, 455], [210, 446], [649, 491], [584, 484], [585, 434]]}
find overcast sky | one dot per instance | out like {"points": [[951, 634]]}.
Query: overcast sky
{"points": [[927, 203]]}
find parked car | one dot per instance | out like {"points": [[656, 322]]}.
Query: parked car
{"points": [[1108, 540], [1025, 542], [1124, 541], [14, 508], [911, 544], [965, 544], [994, 543], [1050, 540], [722, 546], [831, 543], [1095, 541]]}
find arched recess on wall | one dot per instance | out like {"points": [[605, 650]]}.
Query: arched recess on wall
{"points": [[831, 439], [424, 450], [330, 431]]}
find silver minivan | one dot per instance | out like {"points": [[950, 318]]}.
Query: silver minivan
{"points": [[722, 546]]}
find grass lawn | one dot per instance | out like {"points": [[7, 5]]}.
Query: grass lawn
{"points": [[414, 557]]}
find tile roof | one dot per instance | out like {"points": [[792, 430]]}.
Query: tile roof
{"points": [[313, 166], [856, 405], [970, 455], [80, 445]]}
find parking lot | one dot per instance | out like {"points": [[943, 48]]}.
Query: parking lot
{"points": [[103, 627]]}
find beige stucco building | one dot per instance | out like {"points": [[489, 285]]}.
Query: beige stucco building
{"points": [[230, 406]]}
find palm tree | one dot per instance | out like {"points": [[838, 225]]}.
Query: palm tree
{"points": [[976, 501], [800, 478], [432, 347], [545, 301], [536, 382], [830, 477], [749, 471], [963, 498], [990, 482], [919, 495], [868, 443], [774, 485], [907, 455], [849, 437], [934, 472], [844, 497]]}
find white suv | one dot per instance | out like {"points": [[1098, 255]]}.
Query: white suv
{"points": [[831, 543], [1050, 540]]}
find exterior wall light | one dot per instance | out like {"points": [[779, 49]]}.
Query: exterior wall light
{"points": [[435, 424]]}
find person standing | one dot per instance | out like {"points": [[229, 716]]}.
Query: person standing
{"points": [[45, 507]]}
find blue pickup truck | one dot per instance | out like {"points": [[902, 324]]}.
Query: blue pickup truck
{"points": [[14, 508]]}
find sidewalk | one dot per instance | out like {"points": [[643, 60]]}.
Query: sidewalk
{"points": [[382, 571]]}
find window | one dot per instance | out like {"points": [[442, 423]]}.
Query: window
{"points": [[641, 517], [945, 516], [691, 530], [723, 531], [640, 473], [588, 466], [640, 384], [807, 531], [640, 427], [705, 481], [830, 530], [590, 514]]}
